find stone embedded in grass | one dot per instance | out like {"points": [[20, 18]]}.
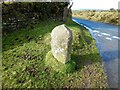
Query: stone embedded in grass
{"points": [[61, 43]]}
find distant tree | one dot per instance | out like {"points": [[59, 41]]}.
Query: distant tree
{"points": [[112, 9], [94, 10]]}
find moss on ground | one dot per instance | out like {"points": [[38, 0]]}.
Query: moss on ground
{"points": [[24, 54], [58, 66]]}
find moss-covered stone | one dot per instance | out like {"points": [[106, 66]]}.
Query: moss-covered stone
{"points": [[54, 64]]}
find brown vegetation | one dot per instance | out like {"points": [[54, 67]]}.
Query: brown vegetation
{"points": [[106, 16]]}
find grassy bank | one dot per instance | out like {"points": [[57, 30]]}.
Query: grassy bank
{"points": [[24, 54], [100, 16]]}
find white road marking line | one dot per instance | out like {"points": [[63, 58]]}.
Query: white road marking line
{"points": [[105, 34], [95, 31], [87, 27], [99, 35], [115, 37], [75, 21], [108, 38]]}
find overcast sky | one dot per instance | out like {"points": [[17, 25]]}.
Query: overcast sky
{"points": [[95, 4]]}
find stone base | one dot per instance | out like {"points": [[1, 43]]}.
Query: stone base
{"points": [[53, 63]]}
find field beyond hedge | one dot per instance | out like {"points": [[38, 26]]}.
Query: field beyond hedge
{"points": [[24, 53], [106, 16]]}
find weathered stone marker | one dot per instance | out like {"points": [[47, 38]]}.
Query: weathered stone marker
{"points": [[61, 43]]}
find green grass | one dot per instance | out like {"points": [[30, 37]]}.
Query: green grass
{"points": [[24, 54], [59, 67]]}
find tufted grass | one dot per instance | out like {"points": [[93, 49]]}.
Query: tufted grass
{"points": [[24, 52]]}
